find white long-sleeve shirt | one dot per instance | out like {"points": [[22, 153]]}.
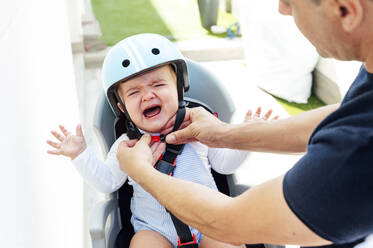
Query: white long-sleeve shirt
{"points": [[107, 177]]}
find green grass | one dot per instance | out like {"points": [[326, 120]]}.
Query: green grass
{"points": [[175, 19], [296, 108]]}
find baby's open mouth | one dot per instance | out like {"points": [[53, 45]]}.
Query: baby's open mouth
{"points": [[152, 111]]}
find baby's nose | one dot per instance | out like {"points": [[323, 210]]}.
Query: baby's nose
{"points": [[148, 95]]}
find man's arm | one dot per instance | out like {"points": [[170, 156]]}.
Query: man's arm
{"points": [[288, 135], [260, 215]]}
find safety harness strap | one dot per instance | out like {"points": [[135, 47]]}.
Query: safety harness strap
{"points": [[186, 239], [166, 164]]}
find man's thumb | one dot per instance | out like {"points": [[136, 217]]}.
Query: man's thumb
{"points": [[145, 139], [178, 137]]}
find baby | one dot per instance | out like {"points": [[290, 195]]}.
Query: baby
{"points": [[148, 95]]}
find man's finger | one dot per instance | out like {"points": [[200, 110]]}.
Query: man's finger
{"points": [[158, 151], [154, 146], [128, 143], [180, 136], [131, 143], [145, 139]]}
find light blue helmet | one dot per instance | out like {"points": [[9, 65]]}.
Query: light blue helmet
{"points": [[139, 54]]}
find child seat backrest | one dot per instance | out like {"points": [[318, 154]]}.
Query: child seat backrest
{"points": [[205, 90]]}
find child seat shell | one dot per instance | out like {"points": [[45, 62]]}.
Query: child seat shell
{"points": [[205, 88]]}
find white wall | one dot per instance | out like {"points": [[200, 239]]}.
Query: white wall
{"points": [[75, 10], [41, 195]]}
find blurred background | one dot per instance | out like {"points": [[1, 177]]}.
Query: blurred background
{"points": [[51, 53]]}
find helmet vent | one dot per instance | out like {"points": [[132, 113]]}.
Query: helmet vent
{"points": [[126, 63], [155, 51]]}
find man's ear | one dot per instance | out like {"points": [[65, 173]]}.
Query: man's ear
{"points": [[351, 14], [120, 107]]}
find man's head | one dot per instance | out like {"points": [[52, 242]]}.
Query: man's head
{"points": [[337, 28], [151, 98]]}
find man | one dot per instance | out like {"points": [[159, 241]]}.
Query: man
{"points": [[327, 196]]}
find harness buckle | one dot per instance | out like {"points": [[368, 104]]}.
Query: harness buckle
{"points": [[191, 244], [165, 167]]}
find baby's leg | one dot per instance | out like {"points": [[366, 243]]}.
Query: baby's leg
{"points": [[148, 238], [207, 242]]}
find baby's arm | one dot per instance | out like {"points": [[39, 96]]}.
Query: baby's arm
{"points": [[226, 161], [105, 176]]}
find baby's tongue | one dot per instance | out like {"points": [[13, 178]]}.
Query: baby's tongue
{"points": [[152, 112]]}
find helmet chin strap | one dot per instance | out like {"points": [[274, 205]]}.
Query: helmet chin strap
{"points": [[131, 127], [180, 115]]}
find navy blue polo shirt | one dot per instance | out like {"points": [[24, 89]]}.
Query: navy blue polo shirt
{"points": [[330, 189]]}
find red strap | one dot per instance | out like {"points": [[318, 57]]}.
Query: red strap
{"points": [[187, 243], [156, 138]]}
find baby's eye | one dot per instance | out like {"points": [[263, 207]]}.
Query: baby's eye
{"points": [[133, 93], [159, 85]]}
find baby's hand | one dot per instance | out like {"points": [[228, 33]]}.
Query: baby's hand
{"points": [[70, 145], [257, 116]]}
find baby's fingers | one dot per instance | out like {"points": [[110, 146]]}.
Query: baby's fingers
{"points": [[248, 115], [267, 115], [64, 130], [57, 135], [258, 113], [53, 152], [79, 131], [54, 144]]}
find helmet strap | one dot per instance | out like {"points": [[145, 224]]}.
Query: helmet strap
{"points": [[180, 115], [131, 127]]}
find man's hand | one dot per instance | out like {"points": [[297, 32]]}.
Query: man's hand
{"points": [[199, 125], [136, 156], [69, 145]]}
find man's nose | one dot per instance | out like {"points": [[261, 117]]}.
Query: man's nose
{"points": [[284, 9]]}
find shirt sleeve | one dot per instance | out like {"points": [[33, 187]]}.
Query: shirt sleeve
{"points": [[105, 176], [226, 161], [331, 188]]}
